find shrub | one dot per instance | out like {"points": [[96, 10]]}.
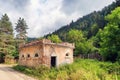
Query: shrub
{"points": [[81, 69]]}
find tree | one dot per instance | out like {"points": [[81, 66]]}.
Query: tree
{"points": [[75, 36], [21, 28], [97, 39], [110, 37], [85, 47], [55, 38], [82, 45], [93, 30], [6, 36]]}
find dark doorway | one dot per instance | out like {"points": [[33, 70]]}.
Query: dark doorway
{"points": [[2, 57], [53, 61]]}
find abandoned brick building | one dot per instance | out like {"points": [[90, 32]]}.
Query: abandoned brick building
{"points": [[44, 52]]}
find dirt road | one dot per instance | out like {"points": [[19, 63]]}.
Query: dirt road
{"points": [[7, 73]]}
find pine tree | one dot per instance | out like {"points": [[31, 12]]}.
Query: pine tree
{"points": [[6, 36], [21, 28]]}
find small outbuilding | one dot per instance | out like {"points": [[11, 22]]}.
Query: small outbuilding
{"points": [[44, 52]]}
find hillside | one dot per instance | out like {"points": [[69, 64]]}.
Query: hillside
{"points": [[89, 24]]}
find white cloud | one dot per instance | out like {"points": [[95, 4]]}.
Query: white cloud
{"points": [[44, 16], [83, 6]]}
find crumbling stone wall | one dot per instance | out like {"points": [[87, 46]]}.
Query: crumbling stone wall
{"points": [[40, 52]]}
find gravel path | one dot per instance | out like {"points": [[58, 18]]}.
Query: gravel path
{"points": [[7, 73]]}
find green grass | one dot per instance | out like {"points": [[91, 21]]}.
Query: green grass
{"points": [[81, 69]]}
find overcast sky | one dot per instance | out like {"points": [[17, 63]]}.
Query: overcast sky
{"points": [[45, 16]]}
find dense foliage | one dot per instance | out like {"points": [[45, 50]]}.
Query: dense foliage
{"points": [[54, 38], [7, 45], [82, 45], [79, 70], [110, 37]]}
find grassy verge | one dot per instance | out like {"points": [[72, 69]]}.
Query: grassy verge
{"points": [[81, 69]]}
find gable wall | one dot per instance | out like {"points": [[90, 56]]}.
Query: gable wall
{"points": [[60, 53]]}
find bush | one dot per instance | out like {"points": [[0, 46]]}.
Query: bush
{"points": [[81, 69], [20, 68]]}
